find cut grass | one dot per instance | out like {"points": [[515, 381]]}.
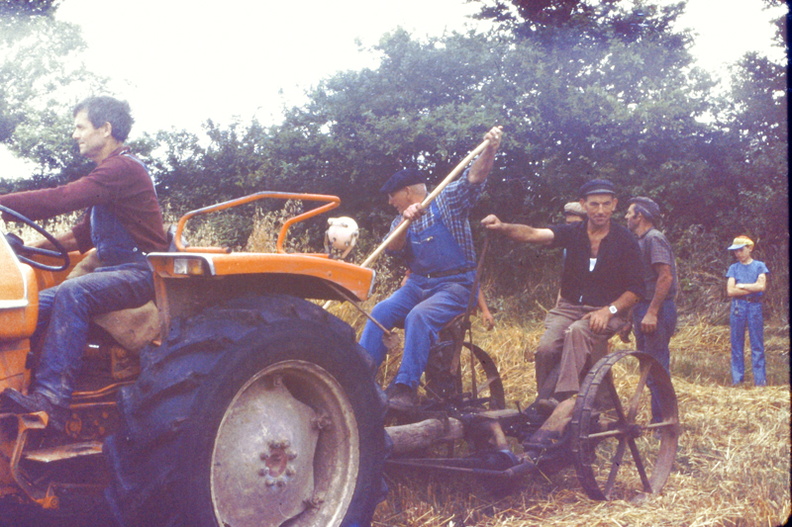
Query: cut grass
{"points": [[732, 466]]}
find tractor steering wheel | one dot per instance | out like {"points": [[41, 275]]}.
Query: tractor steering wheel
{"points": [[23, 251]]}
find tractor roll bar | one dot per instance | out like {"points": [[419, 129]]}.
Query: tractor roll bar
{"points": [[332, 202]]}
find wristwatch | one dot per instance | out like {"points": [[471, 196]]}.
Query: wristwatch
{"points": [[612, 309]]}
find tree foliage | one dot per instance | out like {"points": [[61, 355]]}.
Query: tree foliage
{"points": [[13, 8], [41, 78], [573, 107], [583, 89]]}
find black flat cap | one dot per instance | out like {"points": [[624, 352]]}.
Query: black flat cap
{"points": [[646, 206], [403, 178], [597, 186]]}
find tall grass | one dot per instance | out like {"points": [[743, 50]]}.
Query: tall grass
{"points": [[732, 468]]}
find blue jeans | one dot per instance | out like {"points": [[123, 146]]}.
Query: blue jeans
{"points": [[747, 315], [65, 312], [424, 306], [656, 343]]}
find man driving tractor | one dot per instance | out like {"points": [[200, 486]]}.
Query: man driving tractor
{"points": [[122, 221]]}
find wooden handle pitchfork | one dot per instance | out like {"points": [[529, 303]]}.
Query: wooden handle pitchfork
{"points": [[425, 203]]}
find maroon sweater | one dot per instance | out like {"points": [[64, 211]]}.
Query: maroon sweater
{"points": [[119, 181]]}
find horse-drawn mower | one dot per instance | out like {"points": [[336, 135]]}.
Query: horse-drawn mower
{"points": [[608, 431]]}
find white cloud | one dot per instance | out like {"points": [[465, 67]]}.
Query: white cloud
{"points": [[724, 30], [14, 167], [180, 62]]}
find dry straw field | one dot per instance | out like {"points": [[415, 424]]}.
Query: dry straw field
{"points": [[732, 466]]}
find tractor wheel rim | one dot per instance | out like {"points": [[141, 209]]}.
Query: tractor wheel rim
{"points": [[287, 448]]}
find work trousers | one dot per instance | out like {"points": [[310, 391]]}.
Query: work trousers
{"points": [[65, 313], [656, 343], [569, 344], [424, 306], [747, 315]]}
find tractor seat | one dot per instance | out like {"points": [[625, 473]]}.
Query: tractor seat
{"points": [[132, 328]]}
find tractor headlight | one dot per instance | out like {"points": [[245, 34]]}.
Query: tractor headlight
{"points": [[192, 266]]}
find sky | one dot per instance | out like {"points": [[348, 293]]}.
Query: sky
{"points": [[185, 61], [181, 62]]}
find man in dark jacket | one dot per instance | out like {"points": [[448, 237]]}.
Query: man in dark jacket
{"points": [[601, 281]]}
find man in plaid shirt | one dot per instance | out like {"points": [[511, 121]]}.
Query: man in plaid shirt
{"points": [[438, 250]]}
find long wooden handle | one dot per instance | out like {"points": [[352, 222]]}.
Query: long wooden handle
{"points": [[425, 203]]}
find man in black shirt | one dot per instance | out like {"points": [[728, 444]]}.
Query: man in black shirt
{"points": [[601, 281]]}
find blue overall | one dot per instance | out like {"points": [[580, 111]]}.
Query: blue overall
{"points": [[426, 302], [747, 314], [123, 280]]}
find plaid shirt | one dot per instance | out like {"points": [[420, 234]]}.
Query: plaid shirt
{"points": [[454, 204]]}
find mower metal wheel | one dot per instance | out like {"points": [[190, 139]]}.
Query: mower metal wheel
{"points": [[619, 447]]}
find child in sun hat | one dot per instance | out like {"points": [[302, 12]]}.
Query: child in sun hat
{"points": [[746, 283]]}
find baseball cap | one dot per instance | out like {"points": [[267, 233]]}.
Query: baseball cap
{"points": [[740, 242]]}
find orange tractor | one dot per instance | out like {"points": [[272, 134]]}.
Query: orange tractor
{"points": [[253, 407]]}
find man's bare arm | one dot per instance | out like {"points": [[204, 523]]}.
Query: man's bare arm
{"points": [[483, 164], [519, 232], [598, 320], [662, 287]]}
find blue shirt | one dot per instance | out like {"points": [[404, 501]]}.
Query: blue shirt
{"points": [[747, 274], [454, 203]]}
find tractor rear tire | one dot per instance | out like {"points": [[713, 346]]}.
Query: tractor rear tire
{"points": [[259, 412]]}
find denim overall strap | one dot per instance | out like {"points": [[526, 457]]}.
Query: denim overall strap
{"points": [[434, 249], [114, 245]]}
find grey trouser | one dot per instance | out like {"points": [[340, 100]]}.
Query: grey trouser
{"points": [[569, 345]]}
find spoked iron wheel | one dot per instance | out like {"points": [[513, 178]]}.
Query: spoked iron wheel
{"points": [[466, 380], [619, 448], [481, 379]]}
